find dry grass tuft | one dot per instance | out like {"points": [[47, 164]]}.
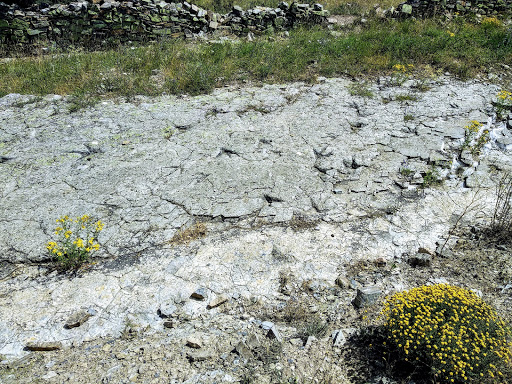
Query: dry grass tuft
{"points": [[185, 236]]}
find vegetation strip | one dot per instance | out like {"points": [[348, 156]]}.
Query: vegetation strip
{"points": [[176, 67]]}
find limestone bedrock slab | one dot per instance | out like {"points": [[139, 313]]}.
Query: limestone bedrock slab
{"points": [[295, 177]]}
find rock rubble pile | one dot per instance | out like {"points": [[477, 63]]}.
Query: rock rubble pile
{"points": [[430, 8]]}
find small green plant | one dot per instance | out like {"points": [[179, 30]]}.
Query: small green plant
{"points": [[430, 178], [449, 331], [405, 170], [406, 97], [314, 327], [77, 241], [474, 137], [503, 103], [408, 117], [360, 89], [168, 132]]}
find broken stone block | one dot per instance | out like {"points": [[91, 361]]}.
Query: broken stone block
{"points": [[367, 296], [219, 300], [44, 346]]}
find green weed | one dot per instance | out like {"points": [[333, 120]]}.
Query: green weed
{"points": [[360, 89]]}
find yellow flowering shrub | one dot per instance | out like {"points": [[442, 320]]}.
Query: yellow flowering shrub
{"points": [[503, 103], [474, 140], [451, 331], [491, 22], [77, 240]]}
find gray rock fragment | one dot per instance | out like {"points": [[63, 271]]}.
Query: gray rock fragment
{"points": [[78, 318], [367, 296], [167, 310], [338, 338], [199, 355], [243, 350], [273, 333], [266, 325], [253, 341]]}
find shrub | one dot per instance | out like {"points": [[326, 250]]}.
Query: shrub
{"points": [[501, 224], [503, 103], [77, 241], [450, 331], [474, 137]]}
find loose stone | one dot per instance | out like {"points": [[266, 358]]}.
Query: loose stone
{"points": [[199, 294], [367, 296]]}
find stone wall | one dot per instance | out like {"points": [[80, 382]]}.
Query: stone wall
{"points": [[429, 8], [86, 22]]}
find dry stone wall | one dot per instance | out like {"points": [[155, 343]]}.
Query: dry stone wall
{"points": [[429, 8], [85, 22]]}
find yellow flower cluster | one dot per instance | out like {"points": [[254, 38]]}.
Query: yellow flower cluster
{"points": [[503, 104], [403, 68], [451, 329], [504, 96], [77, 240], [474, 126], [451, 34], [475, 140], [491, 22]]}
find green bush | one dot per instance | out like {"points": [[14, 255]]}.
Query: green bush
{"points": [[77, 241], [450, 331]]}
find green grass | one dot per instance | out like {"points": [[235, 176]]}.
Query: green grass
{"points": [[196, 68]]}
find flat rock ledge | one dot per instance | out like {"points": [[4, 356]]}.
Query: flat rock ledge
{"points": [[297, 180]]}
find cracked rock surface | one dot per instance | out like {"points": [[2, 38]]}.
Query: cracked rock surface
{"points": [[297, 178]]}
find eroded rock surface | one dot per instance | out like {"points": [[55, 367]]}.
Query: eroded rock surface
{"points": [[296, 179]]}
